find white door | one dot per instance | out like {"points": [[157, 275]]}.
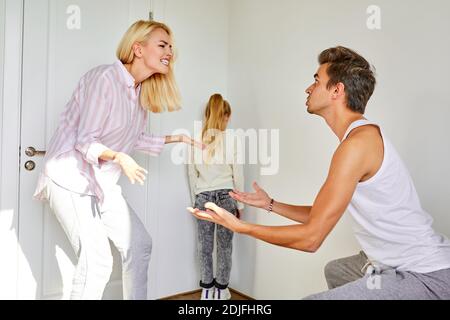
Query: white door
{"points": [[62, 40]]}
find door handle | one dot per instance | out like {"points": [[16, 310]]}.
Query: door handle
{"points": [[31, 152]]}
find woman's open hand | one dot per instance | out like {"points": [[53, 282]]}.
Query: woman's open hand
{"points": [[130, 168]]}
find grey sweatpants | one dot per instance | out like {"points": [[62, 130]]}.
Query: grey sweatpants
{"points": [[347, 279], [206, 240]]}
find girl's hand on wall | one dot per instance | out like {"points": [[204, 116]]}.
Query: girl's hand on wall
{"points": [[130, 168]]}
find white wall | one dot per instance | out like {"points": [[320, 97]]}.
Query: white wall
{"points": [[273, 56]]}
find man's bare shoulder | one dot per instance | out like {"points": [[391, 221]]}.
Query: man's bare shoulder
{"points": [[365, 145], [369, 131], [362, 136]]}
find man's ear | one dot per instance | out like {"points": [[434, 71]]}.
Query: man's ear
{"points": [[339, 90]]}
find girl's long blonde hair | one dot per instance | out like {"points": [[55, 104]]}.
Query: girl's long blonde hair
{"points": [[160, 91], [216, 111]]}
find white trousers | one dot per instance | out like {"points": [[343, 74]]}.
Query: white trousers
{"points": [[88, 231]]}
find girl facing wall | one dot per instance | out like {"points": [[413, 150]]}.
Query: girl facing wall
{"points": [[213, 173]]}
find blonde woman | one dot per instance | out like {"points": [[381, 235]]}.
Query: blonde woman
{"points": [[213, 173], [102, 124]]}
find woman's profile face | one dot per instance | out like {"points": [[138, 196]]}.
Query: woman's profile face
{"points": [[157, 52]]}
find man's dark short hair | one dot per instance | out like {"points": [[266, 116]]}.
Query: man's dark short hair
{"points": [[351, 69]]}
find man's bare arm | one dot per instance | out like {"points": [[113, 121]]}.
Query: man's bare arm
{"points": [[348, 165], [260, 199]]}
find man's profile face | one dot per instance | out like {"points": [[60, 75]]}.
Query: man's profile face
{"points": [[319, 97]]}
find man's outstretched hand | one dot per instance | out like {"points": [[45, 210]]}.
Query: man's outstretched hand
{"points": [[258, 199], [218, 215]]}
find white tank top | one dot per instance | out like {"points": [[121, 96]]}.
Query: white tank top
{"points": [[389, 222]]}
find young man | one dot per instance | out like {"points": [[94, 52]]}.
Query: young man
{"points": [[403, 257]]}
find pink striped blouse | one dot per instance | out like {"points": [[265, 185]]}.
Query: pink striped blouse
{"points": [[103, 113]]}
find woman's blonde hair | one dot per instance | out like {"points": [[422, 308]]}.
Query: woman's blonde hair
{"points": [[216, 111], [160, 91]]}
